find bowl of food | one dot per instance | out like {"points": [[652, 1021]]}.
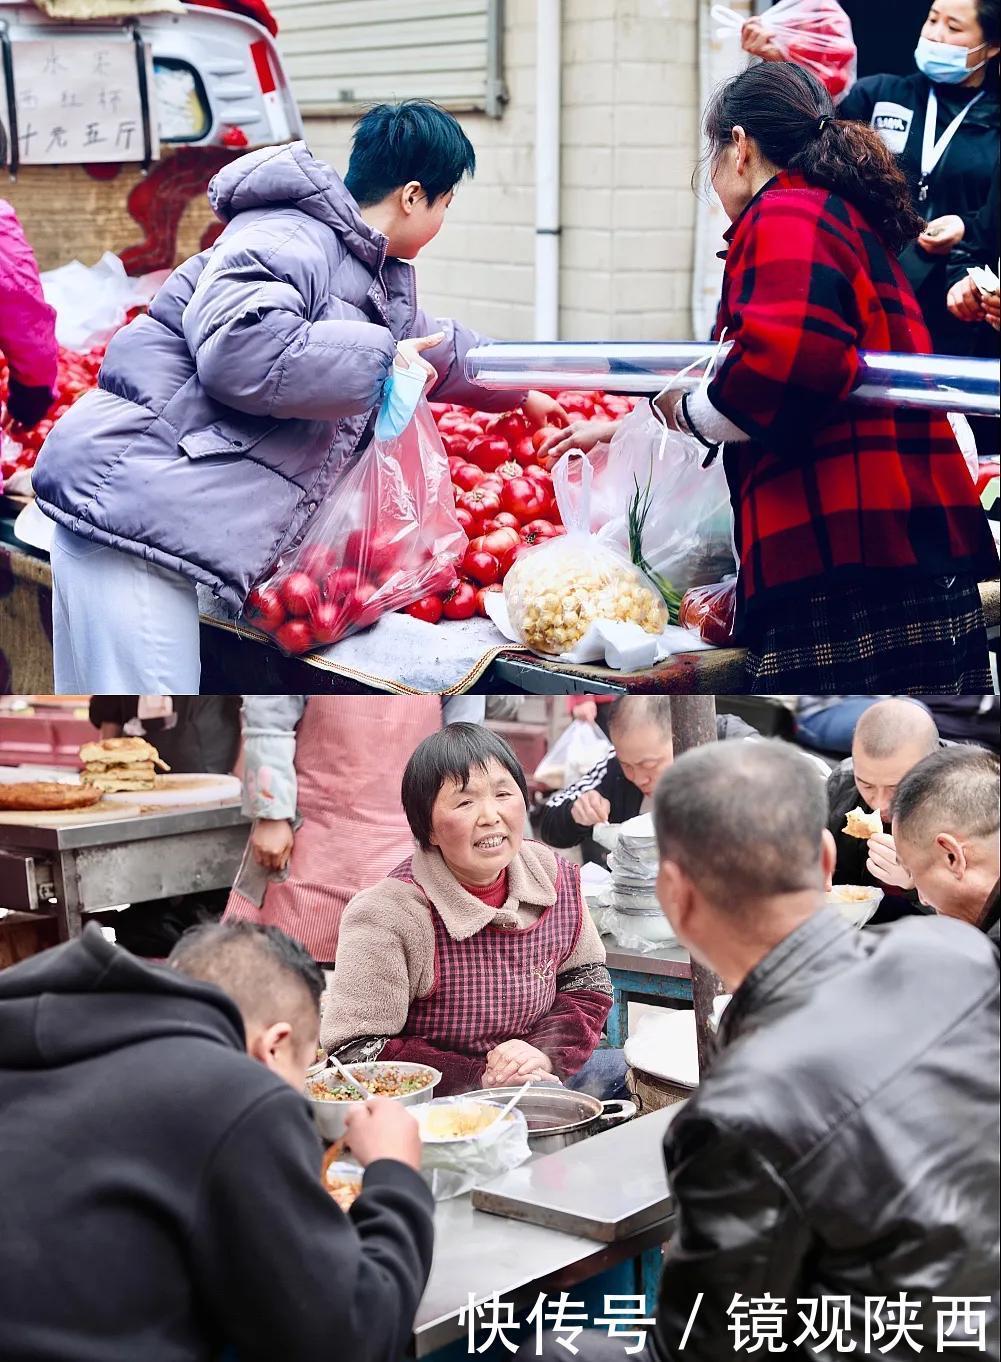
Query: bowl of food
{"points": [[320, 1061], [450, 1121], [855, 902], [330, 1097]]}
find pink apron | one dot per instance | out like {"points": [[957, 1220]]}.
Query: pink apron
{"points": [[350, 753]]}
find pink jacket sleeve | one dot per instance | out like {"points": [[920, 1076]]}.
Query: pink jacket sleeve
{"points": [[27, 323]]}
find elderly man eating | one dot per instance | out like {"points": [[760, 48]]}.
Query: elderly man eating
{"points": [[946, 830]]}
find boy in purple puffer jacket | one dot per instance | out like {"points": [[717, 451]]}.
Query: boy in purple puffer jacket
{"points": [[221, 418]]}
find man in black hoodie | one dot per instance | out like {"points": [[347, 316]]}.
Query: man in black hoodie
{"points": [[160, 1193]]}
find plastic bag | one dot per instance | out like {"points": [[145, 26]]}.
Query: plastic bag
{"points": [[815, 34], [92, 302], [686, 537], [385, 536], [579, 747], [710, 611], [556, 591], [454, 1167]]}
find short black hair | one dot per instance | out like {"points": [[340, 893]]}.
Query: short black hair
{"points": [[953, 790], [396, 143], [451, 753], [744, 820], [250, 962]]}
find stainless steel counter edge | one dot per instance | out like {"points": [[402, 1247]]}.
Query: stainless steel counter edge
{"points": [[162, 823]]}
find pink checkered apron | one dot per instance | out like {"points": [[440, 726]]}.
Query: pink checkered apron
{"points": [[350, 752], [498, 984]]}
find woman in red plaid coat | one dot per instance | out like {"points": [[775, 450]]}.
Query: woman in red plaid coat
{"points": [[860, 534]]}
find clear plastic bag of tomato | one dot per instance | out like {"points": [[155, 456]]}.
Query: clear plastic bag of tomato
{"points": [[385, 537], [815, 34], [710, 611], [557, 590]]}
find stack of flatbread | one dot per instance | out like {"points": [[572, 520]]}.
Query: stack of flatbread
{"points": [[120, 764]]}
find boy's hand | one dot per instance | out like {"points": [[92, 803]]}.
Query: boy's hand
{"points": [[272, 840], [382, 1129], [579, 435], [409, 352], [542, 410]]}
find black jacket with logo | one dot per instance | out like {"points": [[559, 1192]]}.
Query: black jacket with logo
{"points": [[844, 1145], [896, 106]]}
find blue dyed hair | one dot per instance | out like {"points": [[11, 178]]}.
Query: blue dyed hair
{"points": [[396, 143]]}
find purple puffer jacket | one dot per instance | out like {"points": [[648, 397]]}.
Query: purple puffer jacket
{"points": [[221, 417]]}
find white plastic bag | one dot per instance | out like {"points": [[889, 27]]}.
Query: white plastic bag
{"points": [[687, 535], [92, 302], [579, 747], [557, 591], [815, 34]]}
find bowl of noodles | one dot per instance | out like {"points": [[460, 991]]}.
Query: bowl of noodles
{"points": [[855, 902], [452, 1120]]}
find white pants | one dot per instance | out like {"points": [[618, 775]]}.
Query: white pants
{"points": [[120, 625]]}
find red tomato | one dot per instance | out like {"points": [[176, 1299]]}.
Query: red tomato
{"points": [[510, 470], [525, 449], [358, 608], [483, 567], [540, 436], [318, 561], [355, 547], [466, 520], [480, 505], [483, 592], [524, 498], [491, 483], [455, 462], [428, 608], [538, 530], [266, 608], [488, 452], [460, 602], [467, 476], [300, 594], [508, 521], [503, 544], [327, 623], [295, 636], [340, 584]]}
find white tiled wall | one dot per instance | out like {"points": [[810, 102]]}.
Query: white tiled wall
{"points": [[629, 142]]}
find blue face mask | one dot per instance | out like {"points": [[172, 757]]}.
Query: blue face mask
{"points": [[401, 393], [945, 63]]}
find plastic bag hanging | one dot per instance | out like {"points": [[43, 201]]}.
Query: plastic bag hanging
{"points": [[815, 34], [385, 536], [555, 592]]}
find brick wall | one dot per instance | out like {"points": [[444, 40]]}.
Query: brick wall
{"points": [[629, 141]]}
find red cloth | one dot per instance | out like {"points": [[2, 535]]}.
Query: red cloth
{"points": [[253, 9], [502, 984], [493, 895], [824, 491]]}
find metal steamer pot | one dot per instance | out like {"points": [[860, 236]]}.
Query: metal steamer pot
{"points": [[557, 1117]]}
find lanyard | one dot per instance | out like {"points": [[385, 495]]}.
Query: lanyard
{"points": [[932, 151]]}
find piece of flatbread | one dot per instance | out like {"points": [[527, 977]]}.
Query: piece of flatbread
{"points": [[46, 796], [121, 752], [863, 825]]}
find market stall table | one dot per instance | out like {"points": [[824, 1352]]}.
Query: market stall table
{"points": [[654, 977], [480, 1254], [69, 867]]}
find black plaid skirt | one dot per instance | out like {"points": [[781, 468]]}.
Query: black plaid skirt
{"points": [[911, 636]]}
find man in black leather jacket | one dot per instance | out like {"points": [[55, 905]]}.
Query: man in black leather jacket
{"points": [[841, 1156]]}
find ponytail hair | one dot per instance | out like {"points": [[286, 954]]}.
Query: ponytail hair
{"points": [[791, 117]]}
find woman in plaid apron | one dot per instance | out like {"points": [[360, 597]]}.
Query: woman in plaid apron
{"points": [[476, 955]]}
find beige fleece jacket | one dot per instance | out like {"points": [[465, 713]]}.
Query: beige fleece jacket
{"points": [[385, 950]]}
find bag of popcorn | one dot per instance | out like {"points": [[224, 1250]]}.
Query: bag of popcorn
{"points": [[556, 591]]}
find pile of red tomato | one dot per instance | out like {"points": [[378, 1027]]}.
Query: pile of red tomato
{"points": [[77, 375], [503, 497]]}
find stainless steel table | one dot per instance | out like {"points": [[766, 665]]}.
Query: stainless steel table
{"points": [[657, 977], [72, 870], [479, 1255]]}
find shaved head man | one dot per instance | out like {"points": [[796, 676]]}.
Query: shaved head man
{"points": [[946, 830], [890, 738]]}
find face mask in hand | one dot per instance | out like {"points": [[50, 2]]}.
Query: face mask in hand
{"points": [[400, 395], [945, 63]]}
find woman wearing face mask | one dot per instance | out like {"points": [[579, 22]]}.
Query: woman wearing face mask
{"points": [[941, 122], [859, 533]]}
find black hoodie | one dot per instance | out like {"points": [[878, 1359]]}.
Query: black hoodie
{"points": [[159, 1190]]}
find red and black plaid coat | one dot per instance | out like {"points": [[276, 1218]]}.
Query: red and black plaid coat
{"points": [[826, 492]]}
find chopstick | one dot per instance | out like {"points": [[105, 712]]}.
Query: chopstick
{"points": [[350, 1079]]}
